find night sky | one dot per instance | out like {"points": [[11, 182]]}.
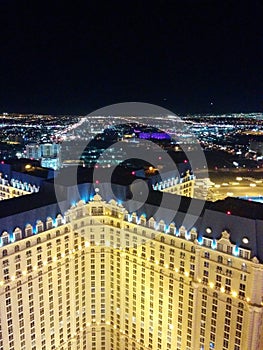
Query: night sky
{"points": [[188, 56]]}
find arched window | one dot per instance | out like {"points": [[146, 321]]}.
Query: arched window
{"points": [[241, 305], [27, 244], [182, 231], [5, 238], [17, 234], [49, 223], [193, 234], [134, 218], [161, 226], [172, 229], [28, 230], [16, 248], [59, 219], [151, 222], [40, 226], [220, 259], [142, 221], [38, 240]]}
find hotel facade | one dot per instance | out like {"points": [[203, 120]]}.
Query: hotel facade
{"points": [[103, 277]]}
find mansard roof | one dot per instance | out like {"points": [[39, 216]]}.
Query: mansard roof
{"points": [[242, 219]]}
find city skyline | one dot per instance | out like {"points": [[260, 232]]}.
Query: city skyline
{"points": [[131, 186]]}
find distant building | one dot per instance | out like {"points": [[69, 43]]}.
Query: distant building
{"points": [[53, 163], [49, 150], [183, 186], [48, 153], [202, 189], [33, 151]]}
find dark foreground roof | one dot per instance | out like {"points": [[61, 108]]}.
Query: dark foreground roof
{"points": [[239, 217]]}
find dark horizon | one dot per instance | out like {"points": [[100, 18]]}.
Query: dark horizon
{"points": [[191, 56]]}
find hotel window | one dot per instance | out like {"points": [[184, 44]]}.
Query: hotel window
{"points": [[172, 242], [220, 247], [243, 277], [49, 224], [5, 263], [28, 230], [229, 262], [5, 238], [182, 255], [17, 234], [242, 286], [244, 267], [241, 305], [40, 226], [228, 272], [229, 249], [192, 267]]}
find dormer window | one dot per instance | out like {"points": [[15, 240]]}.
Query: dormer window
{"points": [[28, 230], [17, 234], [5, 238], [59, 220], [49, 223], [40, 226]]}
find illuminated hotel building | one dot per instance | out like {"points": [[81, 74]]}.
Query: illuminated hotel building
{"points": [[183, 186], [94, 275], [15, 188]]}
